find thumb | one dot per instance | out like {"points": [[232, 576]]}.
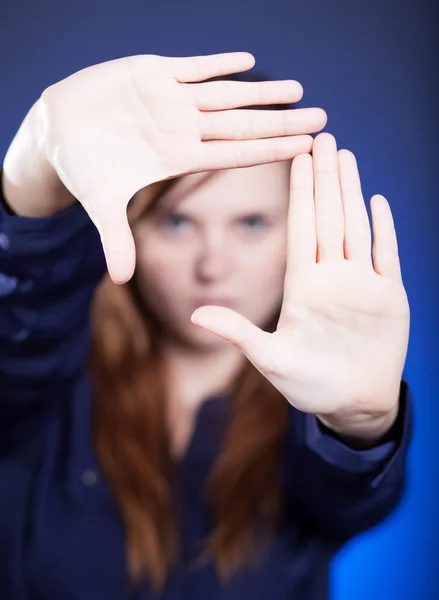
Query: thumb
{"points": [[256, 344], [117, 241]]}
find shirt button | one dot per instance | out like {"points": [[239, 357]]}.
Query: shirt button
{"points": [[90, 477], [7, 284], [4, 241]]}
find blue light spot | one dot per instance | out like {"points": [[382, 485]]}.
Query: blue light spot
{"points": [[4, 241], [7, 284], [21, 335]]}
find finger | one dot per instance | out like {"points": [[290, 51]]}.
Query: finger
{"points": [[327, 197], [302, 242], [222, 95], [199, 68], [246, 153], [239, 331], [255, 124], [385, 243], [117, 240], [357, 236]]}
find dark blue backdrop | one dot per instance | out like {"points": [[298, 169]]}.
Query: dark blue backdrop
{"points": [[372, 66]]}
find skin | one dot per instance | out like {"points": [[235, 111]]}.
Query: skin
{"points": [[341, 342], [217, 238]]}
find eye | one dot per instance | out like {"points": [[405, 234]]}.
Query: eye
{"points": [[175, 222], [253, 223]]}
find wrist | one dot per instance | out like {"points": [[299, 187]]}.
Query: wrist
{"points": [[31, 185], [361, 430]]}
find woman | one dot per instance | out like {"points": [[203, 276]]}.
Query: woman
{"points": [[230, 456]]}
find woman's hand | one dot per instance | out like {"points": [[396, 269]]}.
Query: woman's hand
{"points": [[341, 342], [114, 128]]}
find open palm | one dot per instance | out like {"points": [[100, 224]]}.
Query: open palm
{"points": [[342, 336], [116, 127]]}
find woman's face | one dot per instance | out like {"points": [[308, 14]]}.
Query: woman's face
{"points": [[217, 238]]}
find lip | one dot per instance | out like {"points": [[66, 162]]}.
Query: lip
{"points": [[215, 301]]}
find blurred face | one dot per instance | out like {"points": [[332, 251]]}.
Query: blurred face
{"points": [[215, 239]]}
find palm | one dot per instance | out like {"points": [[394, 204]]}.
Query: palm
{"points": [[342, 335], [339, 321], [117, 127]]}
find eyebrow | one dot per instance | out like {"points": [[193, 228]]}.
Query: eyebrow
{"points": [[256, 211]]}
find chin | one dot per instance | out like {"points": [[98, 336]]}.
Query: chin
{"points": [[205, 340]]}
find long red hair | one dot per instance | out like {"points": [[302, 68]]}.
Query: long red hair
{"points": [[133, 443]]}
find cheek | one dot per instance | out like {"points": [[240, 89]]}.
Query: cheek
{"points": [[265, 265], [162, 273], [262, 280]]}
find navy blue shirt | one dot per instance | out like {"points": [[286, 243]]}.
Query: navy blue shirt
{"points": [[61, 533]]}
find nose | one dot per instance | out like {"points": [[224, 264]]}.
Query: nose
{"points": [[214, 259]]}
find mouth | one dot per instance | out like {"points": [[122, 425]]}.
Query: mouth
{"points": [[215, 301]]}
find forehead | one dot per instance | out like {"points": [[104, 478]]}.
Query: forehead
{"points": [[263, 187]]}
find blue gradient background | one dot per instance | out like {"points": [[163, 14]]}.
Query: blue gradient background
{"points": [[372, 65]]}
